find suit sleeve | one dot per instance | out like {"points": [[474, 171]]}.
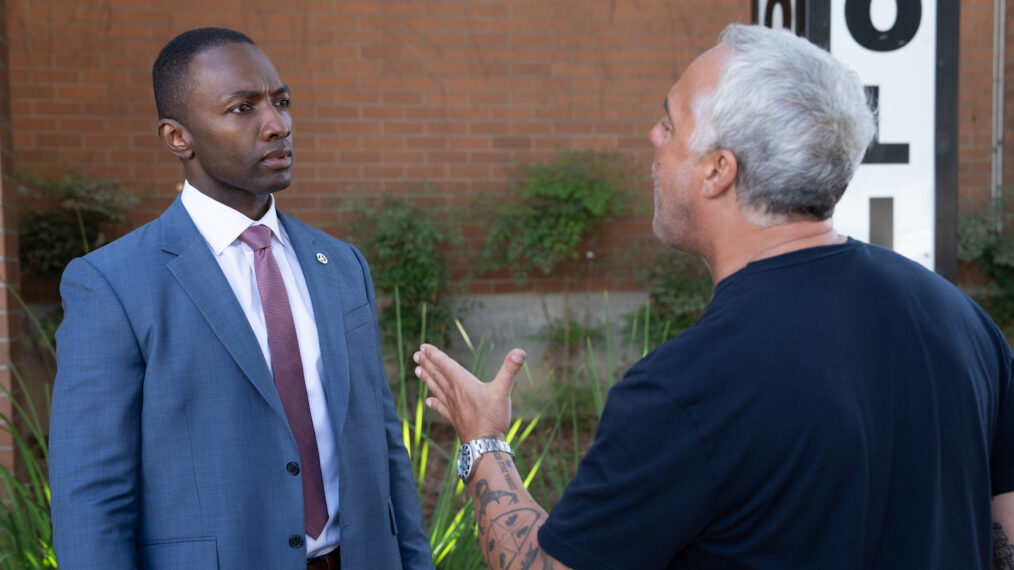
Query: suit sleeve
{"points": [[95, 426], [412, 539]]}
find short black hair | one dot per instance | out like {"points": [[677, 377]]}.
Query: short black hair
{"points": [[169, 75]]}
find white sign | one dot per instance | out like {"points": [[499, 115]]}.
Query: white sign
{"points": [[891, 44], [905, 52]]}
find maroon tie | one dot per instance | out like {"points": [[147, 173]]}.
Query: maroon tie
{"points": [[288, 370]]}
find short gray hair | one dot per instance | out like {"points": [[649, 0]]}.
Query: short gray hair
{"points": [[796, 119]]}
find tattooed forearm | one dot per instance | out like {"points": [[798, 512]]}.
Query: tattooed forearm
{"points": [[507, 517], [507, 537], [505, 469], [1003, 551], [484, 495]]}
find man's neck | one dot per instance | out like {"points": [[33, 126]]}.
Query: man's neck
{"points": [[753, 243]]}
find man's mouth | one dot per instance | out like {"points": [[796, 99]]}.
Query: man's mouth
{"points": [[278, 159]]}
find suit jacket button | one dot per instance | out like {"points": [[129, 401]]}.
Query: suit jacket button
{"points": [[292, 468], [296, 541]]}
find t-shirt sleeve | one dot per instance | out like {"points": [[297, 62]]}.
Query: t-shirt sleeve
{"points": [[1001, 464], [642, 492]]}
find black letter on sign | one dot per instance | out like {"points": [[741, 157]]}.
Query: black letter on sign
{"points": [[882, 153], [769, 14], [857, 17]]}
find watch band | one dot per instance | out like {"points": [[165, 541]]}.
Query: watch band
{"points": [[487, 444], [472, 450]]}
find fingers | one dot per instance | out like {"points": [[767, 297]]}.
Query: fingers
{"points": [[436, 404], [430, 375], [504, 379], [446, 365]]}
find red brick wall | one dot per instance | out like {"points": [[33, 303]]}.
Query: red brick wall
{"points": [[454, 92], [975, 99], [9, 331]]}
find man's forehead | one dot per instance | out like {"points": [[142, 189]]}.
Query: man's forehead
{"points": [[236, 64]]}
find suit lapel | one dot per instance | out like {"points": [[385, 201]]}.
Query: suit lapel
{"points": [[321, 281], [201, 278]]}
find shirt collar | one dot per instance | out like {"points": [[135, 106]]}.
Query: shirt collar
{"points": [[221, 225]]}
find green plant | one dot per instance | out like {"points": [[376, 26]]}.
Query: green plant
{"points": [[26, 536], [552, 208], [404, 243], [71, 216], [550, 433], [679, 289], [558, 333], [986, 240]]}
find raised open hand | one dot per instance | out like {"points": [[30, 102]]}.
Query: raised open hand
{"points": [[475, 408]]}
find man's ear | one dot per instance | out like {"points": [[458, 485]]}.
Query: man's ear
{"points": [[720, 173], [176, 138]]}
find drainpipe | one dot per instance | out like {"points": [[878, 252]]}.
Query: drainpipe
{"points": [[999, 52]]}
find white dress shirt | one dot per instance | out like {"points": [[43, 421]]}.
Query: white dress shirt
{"points": [[221, 225]]}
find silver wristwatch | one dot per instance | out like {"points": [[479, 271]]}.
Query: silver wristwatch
{"points": [[472, 450]]}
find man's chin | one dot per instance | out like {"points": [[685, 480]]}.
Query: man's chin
{"points": [[280, 184]]}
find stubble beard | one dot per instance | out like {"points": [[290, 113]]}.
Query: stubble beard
{"points": [[671, 222]]}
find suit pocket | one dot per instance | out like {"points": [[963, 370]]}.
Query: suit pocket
{"points": [[358, 317], [390, 512], [183, 554]]}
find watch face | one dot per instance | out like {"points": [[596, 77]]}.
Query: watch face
{"points": [[464, 461]]}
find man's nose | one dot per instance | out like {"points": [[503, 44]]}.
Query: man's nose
{"points": [[656, 135], [276, 124]]}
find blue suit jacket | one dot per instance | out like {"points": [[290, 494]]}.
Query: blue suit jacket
{"points": [[168, 441]]}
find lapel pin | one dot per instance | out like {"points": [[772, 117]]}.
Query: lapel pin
{"points": [[322, 258]]}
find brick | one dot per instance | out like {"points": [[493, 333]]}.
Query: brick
{"points": [[513, 142], [447, 157], [358, 157], [425, 172], [402, 98], [359, 128], [426, 142], [80, 92], [352, 97], [57, 140], [395, 172], [470, 143], [383, 143]]}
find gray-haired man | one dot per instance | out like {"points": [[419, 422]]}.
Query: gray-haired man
{"points": [[836, 406]]}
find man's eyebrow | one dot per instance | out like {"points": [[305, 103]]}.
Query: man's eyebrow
{"points": [[253, 93]]}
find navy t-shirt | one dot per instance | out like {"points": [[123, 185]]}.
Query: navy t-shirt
{"points": [[835, 407]]}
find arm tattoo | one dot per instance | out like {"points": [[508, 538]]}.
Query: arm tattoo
{"points": [[484, 495], [508, 532], [507, 540], [505, 469], [1003, 551]]}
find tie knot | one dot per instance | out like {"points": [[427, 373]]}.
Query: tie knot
{"points": [[257, 237]]}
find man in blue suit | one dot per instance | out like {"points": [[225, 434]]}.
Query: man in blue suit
{"points": [[176, 441]]}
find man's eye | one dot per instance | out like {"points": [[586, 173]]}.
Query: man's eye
{"points": [[241, 108], [283, 103]]}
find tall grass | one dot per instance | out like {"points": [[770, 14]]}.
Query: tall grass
{"points": [[551, 416], [26, 535]]}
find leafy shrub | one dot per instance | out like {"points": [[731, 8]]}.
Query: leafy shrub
{"points": [[554, 207], [85, 209], [404, 243], [679, 289], [983, 241]]}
